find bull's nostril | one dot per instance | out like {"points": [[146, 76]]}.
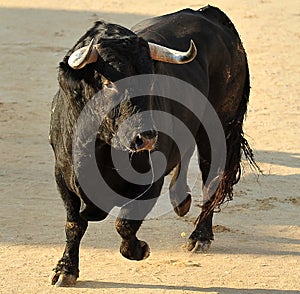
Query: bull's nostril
{"points": [[144, 141], [139, 142]]}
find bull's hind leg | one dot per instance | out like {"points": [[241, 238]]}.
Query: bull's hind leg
{"points": [[180, 195], [201, 237], [223, 183], [66, 271]]}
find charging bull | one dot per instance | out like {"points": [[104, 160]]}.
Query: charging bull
{"points": [[200, 47]]}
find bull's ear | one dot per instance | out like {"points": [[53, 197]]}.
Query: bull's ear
{"points": [[143, 42], [83, 56], [144, 62]]}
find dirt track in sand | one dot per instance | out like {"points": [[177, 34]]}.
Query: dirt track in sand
{"points": [[257, 240]]}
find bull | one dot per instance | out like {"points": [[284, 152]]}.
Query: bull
{"points": [[215, 64]]}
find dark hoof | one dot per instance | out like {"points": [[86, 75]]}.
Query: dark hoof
{"points": [[197, 245], [62, 280], [145, 249], [137, 251], [183, 208]]}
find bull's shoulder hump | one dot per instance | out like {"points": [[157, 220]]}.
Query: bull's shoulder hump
{"points": [[159, 20], [208, 13]]}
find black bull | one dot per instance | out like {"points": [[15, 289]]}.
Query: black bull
{"points": [[219, 71]]}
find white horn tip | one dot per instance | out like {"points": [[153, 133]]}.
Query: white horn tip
{"points": [[78, 58], [165, 54], [192, 52]]}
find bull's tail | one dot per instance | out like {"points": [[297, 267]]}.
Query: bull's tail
{"points": [[235, 141], [236, 145], [244, 145]]}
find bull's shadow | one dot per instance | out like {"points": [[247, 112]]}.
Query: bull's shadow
{"points": [[222, 290], [288, 159]]}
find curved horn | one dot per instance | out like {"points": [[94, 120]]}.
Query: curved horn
{"points": [[83, 56], [165, 54]]}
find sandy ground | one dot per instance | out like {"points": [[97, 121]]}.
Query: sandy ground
{"points": [[257, 239]]}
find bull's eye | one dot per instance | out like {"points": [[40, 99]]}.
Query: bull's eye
{"points": [[108, 85]]}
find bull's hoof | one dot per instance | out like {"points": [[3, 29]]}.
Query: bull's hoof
{"points": [[62, 280], [135, 251], [197, 245], [145, 249], [183, 208]]}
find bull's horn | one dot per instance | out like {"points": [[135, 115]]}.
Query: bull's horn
{"points": [[165, 54], [83, 56]]}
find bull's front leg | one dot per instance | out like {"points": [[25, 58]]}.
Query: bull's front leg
{"points": [[180, 193], [130, 219], [131, 247], [66, 271]]}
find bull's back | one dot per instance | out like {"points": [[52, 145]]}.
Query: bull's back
{"points": [[206, 26], [220, 52]]}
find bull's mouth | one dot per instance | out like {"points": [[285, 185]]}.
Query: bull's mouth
{"points": [[141, 143]]}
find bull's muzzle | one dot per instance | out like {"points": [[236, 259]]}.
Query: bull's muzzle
{"points": [[144, 141]]}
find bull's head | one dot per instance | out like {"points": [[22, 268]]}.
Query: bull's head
{"points": [[123, 57], [90, 54]]}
